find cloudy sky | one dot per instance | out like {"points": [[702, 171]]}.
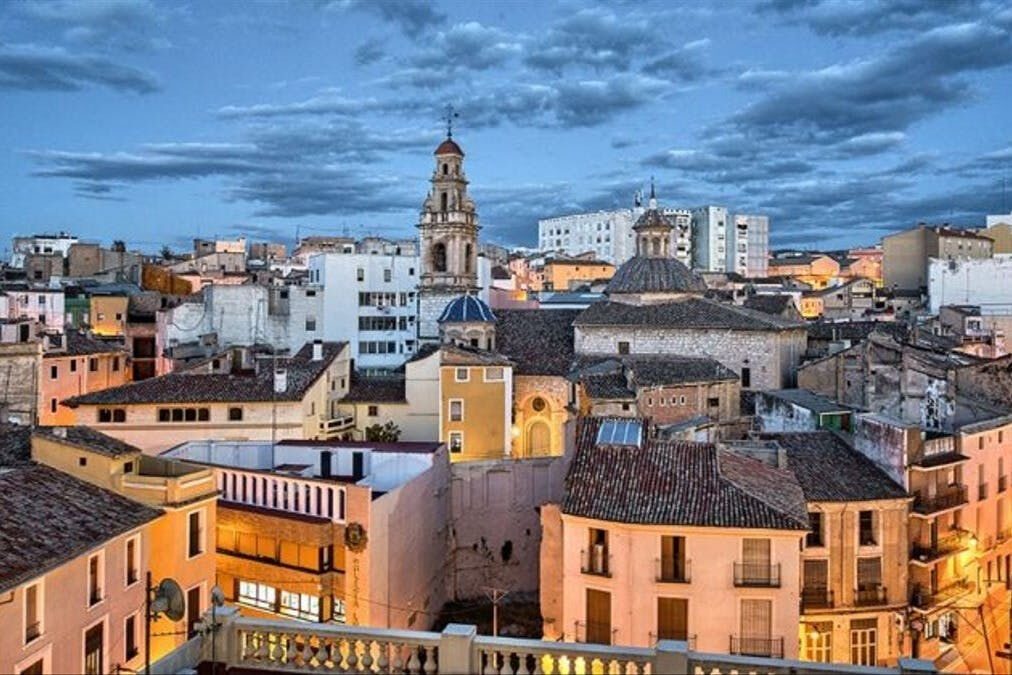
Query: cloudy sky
{"points": [[156, 123]]}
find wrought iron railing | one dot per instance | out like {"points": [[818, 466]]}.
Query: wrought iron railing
{"points": [[761, 575]]}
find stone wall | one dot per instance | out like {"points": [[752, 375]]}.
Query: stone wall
{"points": [[20, 365]]}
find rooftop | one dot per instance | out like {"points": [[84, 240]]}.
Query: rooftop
{"points": [[466, 308], [654, 275], [190, 387], [365, 389], [678, 483], [688, 313], [88, 439], [538, 341], [81, 344], [808, 399], [829, 470], [770, 304]]}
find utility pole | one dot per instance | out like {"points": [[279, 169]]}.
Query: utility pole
{"points": [[496, 595]]}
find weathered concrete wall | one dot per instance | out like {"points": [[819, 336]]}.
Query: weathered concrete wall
{"points": [[774, 414], [888, 443], [970, 282], [20, 365], [495, 535]]}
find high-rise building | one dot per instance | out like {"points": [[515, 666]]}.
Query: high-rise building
{"points": [[608, 234], [709, 238], [448, 240], [748, 245]]}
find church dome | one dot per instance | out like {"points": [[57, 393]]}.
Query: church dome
{"points": [[449, 147], [654, 275], [466, 308], [653, 219]]}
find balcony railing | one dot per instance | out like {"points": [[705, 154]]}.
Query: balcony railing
{"points": [[674, 574], [772, 647], [596, 562], [759, 575], [32, 631], [95, 596], [816, 598], [946, 500], [943, 547], [331, 427], [870, 596], [594, 632], [982, 492], [248, 645], [690, 640], [925, 599]]}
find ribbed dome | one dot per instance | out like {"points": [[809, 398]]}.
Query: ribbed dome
{"points": [[653, 219], [449, 147], [654, 275], [466, 308]]}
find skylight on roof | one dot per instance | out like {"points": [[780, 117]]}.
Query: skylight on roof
{"points": [[620, 432]]}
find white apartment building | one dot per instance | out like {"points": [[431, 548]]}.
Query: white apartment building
{"points": [[748, 245], [37, 303], [607, 233], [709, 238], [40, 243], [370, 301], [681, 235]]}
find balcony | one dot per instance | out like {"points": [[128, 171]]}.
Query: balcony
{"points": [[871, 596], [690, 640], [32, 631], [816, 598], [944, 547], [330, 428], [942, 501], [982, 492], [757, 575], [252, 645], [751, 646], [590, 632], [923, 598], [674, 573], [596, 562]]}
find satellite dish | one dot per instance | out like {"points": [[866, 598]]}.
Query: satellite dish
{"points": [[217, 596], [168, 600]]}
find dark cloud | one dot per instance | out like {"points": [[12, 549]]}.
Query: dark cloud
{"points": [[850, 17], [36, 68], [369, 52], [595, 37], [467, 46], [684, 64], [133, 25], [891, 91]]}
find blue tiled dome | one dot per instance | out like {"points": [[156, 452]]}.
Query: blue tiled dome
{"points": [[466, 308]]}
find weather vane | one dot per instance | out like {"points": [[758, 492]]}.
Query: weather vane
{"points": [[450, 114]]}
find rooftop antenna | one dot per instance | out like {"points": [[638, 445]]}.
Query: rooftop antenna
{"points": [[450, 114]]}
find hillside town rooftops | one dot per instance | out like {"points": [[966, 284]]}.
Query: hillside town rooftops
{"points": [[679, 483], [301, 372], [538, 341]]}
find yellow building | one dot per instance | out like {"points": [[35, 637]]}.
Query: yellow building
{"points": [[816, 270], [294, 397], [476, 400], [107, 314], [562, 274], [1001, 234]]}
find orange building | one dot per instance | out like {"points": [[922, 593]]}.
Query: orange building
{"points": [[82, 366], [816, 270], [562, 274]]}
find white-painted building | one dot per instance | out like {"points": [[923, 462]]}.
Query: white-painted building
{"points": [[40, 243], [369, 300], [971, 281], [709, 238], [607, 233], [36, 303], [224, 316], [748, 245]]}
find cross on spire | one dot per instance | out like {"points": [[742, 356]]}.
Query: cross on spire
{"points": [[450, 114]]}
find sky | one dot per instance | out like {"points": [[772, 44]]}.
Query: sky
{"points": [[155, 122]]}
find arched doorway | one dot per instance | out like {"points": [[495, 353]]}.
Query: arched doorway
{"points": [[539, 439]]}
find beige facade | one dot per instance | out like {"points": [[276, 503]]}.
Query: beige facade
{"points": [[905, 254]]}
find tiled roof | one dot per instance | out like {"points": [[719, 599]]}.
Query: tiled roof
{"points": [[538, 341], [854, 330], [807, 399], [829, 470], [459, 355], [611, 386], [375, 390], [653, 219], [654, 275], [303, 371], [986, 425], [80, 344], [679, 483], [15, 445], [89, 439], [654, 371], [770, 304], [50, 517], [466, 308], [688, 313]]}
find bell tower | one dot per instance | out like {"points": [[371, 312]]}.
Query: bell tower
{"points": [[448, 238], [653, 230]]}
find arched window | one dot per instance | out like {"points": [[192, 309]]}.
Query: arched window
{"points": [[539, 439], [439, 256], [446, 168], [468, 252], [442, 201]]}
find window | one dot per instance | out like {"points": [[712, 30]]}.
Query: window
{"points": [[36, 668], [456, 410], [713, 402], [300, 606], [96, 565], [818, 641], [814, 538], [756, 627], [623, 347], [195, 533], [387, 276], [746, 377], [94, 649], [130, 637], [73, 365], [672, 619], [673, 563], [360, 274], [133, 560], [115, 363], [863, 638], [493, 374], [52, 405], [461, 375], [93, 365], [54, 372], [119, 316], [866, 528], [373, 411], [456, 441], [235, 414], [33, 611], [257, 595], [310, 323]]}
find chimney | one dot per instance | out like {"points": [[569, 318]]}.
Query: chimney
{"points": [[280, 380], [317, 350]]}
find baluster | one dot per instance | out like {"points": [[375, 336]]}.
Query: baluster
{"points": [[352, 659], [398, 664], [383, 660], [307, 653], [263, 648], [367, 660], [430, 661], [413, 665]]}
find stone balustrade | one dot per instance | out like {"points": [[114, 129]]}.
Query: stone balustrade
{"points": [[250, 644]]}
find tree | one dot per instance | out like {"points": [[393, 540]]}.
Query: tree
{"points": [[387, 433], [167, 253]]}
